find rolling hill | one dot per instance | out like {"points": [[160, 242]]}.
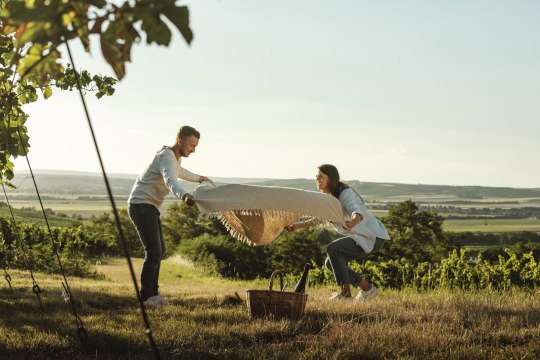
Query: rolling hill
{"points": [[80, 183]]}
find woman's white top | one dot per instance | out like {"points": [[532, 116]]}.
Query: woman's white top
{"points": [[367, 230], [160, 178]]}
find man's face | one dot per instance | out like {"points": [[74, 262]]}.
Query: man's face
{"points": [[188, 145]]}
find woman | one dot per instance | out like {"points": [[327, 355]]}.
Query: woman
{"points": [[363, 233]]}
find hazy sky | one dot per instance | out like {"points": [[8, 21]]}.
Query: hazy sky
{"points": [[431, 92]]}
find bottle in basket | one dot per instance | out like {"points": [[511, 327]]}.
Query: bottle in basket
{"points": [[300, 286]]}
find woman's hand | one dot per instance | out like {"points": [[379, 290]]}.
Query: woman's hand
{"points": [[291, 228], [348, 225], [353, 222]]}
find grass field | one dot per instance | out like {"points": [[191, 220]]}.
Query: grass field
{"points": [[200, 324]]}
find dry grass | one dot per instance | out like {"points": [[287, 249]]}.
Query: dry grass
{"points": [[198, 324]]}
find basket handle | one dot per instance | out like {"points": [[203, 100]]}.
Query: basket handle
{"points": [[274, 274]]}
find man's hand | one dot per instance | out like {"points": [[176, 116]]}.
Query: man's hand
{"points": [[188, 199], [204, 178]]}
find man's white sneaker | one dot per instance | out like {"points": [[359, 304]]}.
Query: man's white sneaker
{"points": [[338, 296], [152, 301], [367, 295], [161, 300]]}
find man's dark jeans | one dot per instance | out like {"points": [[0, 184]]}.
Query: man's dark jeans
{"points": [[146, 219]]}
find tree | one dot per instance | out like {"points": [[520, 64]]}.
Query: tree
{"points": [[290, 251], [101, 235], [416, 235], [183, 223], [31, 33]]}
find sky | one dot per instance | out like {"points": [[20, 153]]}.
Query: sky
{"points": [[418, 92]]}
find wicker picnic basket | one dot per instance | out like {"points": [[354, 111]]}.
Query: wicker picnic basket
{"points": [[276, 304]]}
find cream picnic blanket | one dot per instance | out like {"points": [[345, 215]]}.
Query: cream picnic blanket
{"points": [[258, 214]]}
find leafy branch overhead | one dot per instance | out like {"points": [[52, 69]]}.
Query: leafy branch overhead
{"points": [[16, 91], [33, 31], [45, 25]]}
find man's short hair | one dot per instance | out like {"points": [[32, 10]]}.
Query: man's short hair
{"points": [[187, 131]]}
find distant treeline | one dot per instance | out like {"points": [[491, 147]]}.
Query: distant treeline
{"points": [[511, 213], [100, 198], [500, 239], [478, 213], [467, 192], [33, 197], [465, 202]]}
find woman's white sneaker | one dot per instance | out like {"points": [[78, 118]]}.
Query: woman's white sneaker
{"points": [[367, 295]]}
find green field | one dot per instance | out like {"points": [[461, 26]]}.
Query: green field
{"points": [[493, 225], [70, 205]]}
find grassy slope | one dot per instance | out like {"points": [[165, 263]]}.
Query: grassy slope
{"points": [[405, 324]]}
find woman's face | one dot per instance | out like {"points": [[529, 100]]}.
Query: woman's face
{"points": [[322, 181]]}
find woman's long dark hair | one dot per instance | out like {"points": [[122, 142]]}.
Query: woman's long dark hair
{"points": [[334, 185]]}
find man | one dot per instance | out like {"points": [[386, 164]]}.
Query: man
{"points": [[147, 195]]}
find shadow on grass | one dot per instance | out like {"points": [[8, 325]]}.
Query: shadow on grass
{"points": [[21, 317]]}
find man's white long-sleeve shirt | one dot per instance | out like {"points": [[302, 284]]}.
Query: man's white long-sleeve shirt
{"points": [[160, 178]]}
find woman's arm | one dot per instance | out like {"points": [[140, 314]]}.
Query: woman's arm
{"points": [[302, 225], [354, 205]]}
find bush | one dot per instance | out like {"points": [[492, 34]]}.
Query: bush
{"points": [[28, 246], [453, 272], [226, 256]]}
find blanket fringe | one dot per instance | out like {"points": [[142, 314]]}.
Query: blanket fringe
{"points": [[232, 230], [256, 212]]}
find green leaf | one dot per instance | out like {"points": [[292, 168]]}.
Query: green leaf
{"points": [[21, 12], [179, 16], [47, 92], [33, 56], [85, 78], [40, 64], [98, 3], [113, 55], [32, 31], [156, 30]]}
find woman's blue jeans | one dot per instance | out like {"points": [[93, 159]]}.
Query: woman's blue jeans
{"points": [[146, 219], [340, 253]]}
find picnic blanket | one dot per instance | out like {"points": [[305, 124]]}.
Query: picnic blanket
{"points": [[258, 214]]}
